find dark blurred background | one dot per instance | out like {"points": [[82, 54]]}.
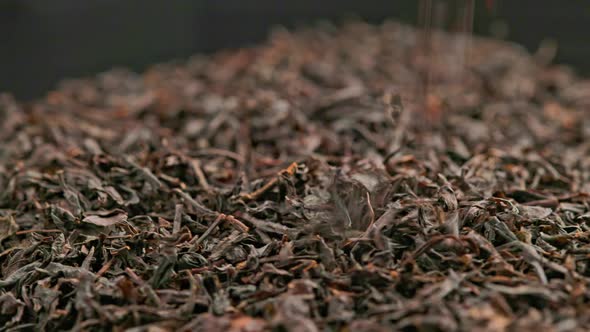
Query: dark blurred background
{"points": [[44, 41]]}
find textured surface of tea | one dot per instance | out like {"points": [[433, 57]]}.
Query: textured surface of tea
{"points": [[293, 186]]}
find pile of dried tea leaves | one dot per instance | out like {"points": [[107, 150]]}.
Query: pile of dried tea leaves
{"points": [[298, 186]]}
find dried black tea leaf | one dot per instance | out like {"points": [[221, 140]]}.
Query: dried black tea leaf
{"points": [[297, 185]]}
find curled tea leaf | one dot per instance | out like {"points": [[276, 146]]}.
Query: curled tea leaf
{"points": [[106, 221]]}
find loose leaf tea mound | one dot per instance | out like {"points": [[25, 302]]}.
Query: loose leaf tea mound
{"points": [[298, 185]]}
